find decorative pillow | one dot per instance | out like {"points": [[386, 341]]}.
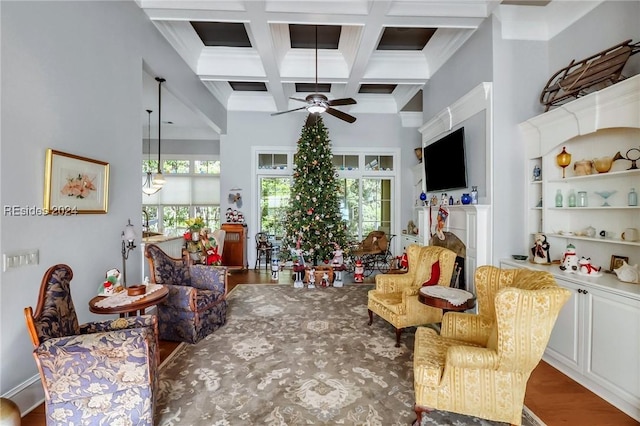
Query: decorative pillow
{"points": [[435, 274]]}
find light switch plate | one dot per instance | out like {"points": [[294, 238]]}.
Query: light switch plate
{"points": [[20, 258]]}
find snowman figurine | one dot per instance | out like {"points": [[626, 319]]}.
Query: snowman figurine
{"points": [[569, 260]]}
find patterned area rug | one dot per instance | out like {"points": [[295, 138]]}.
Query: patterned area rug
{"points": [[295, 357]]}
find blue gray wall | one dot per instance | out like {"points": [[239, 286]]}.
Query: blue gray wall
{"points": [[72, 76]]}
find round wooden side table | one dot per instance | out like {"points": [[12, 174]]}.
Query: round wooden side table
{"points": [[131, 309], [444, 304]]}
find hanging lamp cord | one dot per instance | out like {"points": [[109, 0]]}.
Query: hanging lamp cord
{"points": [[149, 138], [160, 80]]}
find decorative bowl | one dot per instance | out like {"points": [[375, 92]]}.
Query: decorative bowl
{"points": [[136, 290], [520, 256], [603, 164]]}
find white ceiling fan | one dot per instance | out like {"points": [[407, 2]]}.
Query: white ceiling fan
{"points": [[318, 103]]}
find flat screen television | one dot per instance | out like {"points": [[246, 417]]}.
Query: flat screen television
{"points": [[445, 164]]}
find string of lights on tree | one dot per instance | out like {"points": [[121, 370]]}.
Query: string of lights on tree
{"points": [[314, 222]]}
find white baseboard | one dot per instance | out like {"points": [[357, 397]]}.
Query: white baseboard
{"points": [[27, 395]]}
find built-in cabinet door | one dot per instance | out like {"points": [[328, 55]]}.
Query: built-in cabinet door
{"points": [[565, 341], [407, 240], [612, 343], [234, 254]]}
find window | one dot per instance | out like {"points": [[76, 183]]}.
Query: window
{"points": [[192, 189], [274, 199], [366, 205], [272, 161], [376, 205], [378, 162], [150, 218], [207, 167], [345, 162], [175, 166], [366, 190]]}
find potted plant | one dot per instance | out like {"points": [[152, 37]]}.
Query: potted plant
{"points": [[195, 225]]}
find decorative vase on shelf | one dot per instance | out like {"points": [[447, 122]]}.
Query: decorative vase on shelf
{"points": [[563, 159], [572, 198], [559, 198], [474, 195], [465, 199], [633, 197]]}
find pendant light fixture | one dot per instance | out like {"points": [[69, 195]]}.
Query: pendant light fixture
{"points": [[148, 187], [158, 179]]}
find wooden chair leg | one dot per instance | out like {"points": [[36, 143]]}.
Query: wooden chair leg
{"points": [[370, 317], [420, 410], [398, 334]]}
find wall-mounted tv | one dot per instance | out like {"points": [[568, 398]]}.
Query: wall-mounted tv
{"points": [[445, 164]]}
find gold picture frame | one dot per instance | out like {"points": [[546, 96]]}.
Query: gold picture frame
{"points": [[616, 261], [75, 184]]}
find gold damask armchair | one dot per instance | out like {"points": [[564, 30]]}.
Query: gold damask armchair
{"points": [[479, 365], [395, 297]]}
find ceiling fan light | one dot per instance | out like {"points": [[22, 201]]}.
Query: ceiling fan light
{"points": [[316, 109]]}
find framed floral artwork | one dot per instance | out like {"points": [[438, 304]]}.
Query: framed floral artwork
{"points": [[75, 184]]}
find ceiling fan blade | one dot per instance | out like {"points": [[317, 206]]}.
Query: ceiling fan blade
{"points": [[290, 110], [341, 115], [344, 101], [312, 119], [298, 99]]}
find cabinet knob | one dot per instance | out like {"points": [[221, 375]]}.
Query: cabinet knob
{"points": [[585, 291], [580, 290]]}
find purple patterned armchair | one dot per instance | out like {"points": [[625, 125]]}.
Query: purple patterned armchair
{"points": [[197, 301], [95, 373]]}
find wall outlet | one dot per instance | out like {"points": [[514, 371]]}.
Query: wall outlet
{"points": [[20, 258]]}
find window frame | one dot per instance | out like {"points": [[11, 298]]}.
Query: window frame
{"points": [[193, 176], [361, 173]]}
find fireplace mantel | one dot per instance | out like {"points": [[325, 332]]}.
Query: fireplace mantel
{"points": [[472, 224]]}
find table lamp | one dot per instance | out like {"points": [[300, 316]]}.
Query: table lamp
{"points": [[563, 159]]}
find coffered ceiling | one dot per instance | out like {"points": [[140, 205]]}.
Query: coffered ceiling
{"points": [[254, 55]]}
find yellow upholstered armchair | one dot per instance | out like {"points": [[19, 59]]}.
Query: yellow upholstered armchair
{"points": [[479, 365], [395, 297]]}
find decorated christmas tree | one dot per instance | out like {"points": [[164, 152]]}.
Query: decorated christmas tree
{"points": [[313, 222]]}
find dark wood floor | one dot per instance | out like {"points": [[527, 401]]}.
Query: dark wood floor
{"points": [[551, 395]]}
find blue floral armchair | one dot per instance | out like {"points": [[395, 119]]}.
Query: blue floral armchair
{"points": [[95, 373], [197, 301]]}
